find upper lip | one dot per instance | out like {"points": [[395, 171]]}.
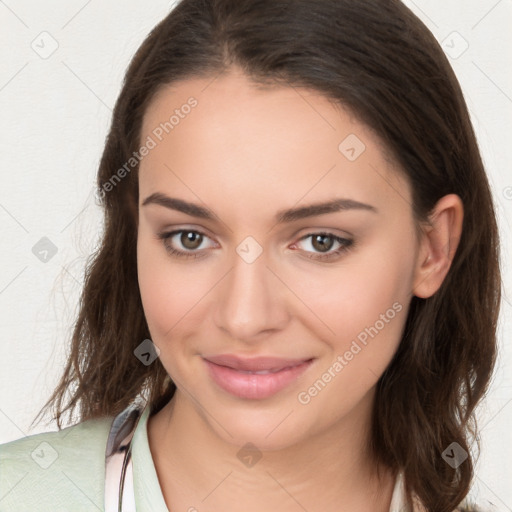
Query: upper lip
{"points": [[255, 363]]}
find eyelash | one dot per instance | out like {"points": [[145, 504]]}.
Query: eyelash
{"points": [[346, 245]]}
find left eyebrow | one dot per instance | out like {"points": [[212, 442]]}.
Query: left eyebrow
{"points": [[281, 217], [311, 210]]}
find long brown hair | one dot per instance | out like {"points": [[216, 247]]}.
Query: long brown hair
{"points": [[377, 59]]}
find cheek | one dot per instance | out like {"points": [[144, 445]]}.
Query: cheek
{"points": [[366, 311], [168, 292], [365, 299]]}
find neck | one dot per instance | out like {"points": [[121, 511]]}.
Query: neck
{"points": [[333, 471]]}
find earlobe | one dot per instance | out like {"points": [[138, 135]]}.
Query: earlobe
{"points": [[439, 242]]}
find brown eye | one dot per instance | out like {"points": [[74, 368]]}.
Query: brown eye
{"points": [[185, 243], [325, 246], [322, 242], [191, 239]]}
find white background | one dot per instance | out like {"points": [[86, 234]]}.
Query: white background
{"points": [[54, 116]]}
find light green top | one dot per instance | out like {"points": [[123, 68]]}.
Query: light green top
{"points": [[65, 470]]}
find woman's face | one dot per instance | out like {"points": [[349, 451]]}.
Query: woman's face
{"points": [[258, 270]]}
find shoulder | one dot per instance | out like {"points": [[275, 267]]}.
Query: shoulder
{"points": [[57, 471]]}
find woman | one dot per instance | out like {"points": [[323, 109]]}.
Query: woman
{"points": [[294, 304]]}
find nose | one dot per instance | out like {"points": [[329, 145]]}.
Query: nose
{"points": [[251, 301]]}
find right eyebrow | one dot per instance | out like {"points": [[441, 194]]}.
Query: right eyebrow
{"points": [[179, 205]]}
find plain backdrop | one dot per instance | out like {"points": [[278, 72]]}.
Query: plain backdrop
{"points": [[62, 63]]}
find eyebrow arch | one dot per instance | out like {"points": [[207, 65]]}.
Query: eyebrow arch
{"points": [[281, 217]]}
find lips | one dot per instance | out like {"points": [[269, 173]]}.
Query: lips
{"points": [[263, 364], [255, 378]]}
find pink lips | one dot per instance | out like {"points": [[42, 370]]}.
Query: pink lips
{"points": [[237, 376]]}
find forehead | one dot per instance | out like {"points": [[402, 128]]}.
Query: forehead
{"points": [[281, 143]]}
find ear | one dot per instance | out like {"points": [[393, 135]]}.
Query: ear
{"points": [[439, 241]]}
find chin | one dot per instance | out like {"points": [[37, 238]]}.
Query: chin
{"points": [[271, 429]]}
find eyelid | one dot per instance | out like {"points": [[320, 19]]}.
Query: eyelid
{"points": [[324, 233], [173, 228], [329, 231]]}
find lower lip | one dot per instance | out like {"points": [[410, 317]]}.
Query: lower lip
{"points": [[254, 386]]}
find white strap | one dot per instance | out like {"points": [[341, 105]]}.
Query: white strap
{"points": [[119, 492], [129, 493]]}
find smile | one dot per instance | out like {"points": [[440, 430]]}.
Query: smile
{"points": [[255, 384]]}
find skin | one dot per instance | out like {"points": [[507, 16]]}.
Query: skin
{"points": [[268, 150]]}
